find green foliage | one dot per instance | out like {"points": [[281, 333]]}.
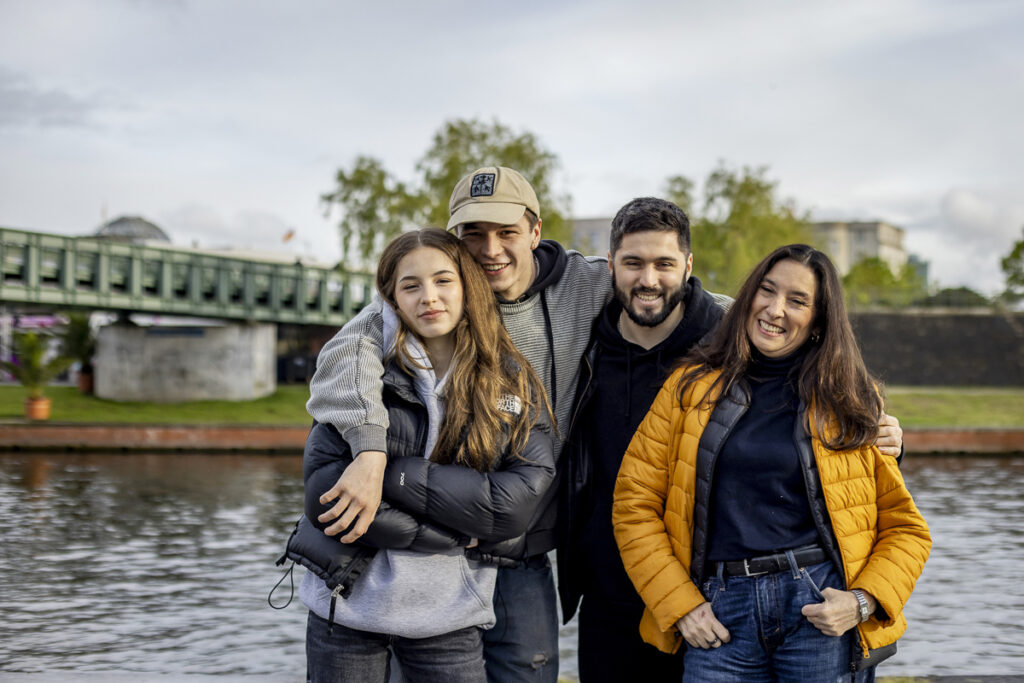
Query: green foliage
{"points": [[1013, 268], [742, 220], [871, 282], [956, 297], [462, 146], [31, 366], [679, 191], [375, 206], [78, 341]]}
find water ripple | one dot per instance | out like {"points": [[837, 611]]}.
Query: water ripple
{"points": [[162, 564]]}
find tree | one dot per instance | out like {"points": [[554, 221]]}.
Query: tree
{"points": [[871, 282], [954, 297], [742, 220], [1013, 268], [679, 191], [31, 365], [375, 206]]}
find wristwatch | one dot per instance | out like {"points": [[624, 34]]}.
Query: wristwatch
{"points": [[862, 604]]}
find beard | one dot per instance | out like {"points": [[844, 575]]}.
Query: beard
{"points": [[670, 299]]}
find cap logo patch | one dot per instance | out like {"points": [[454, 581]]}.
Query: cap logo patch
{"points": [[483, 185]]}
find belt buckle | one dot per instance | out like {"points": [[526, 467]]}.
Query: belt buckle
{"points": [[746, 569]]}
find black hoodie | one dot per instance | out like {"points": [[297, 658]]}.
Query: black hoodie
{"points": [[624, 382]]}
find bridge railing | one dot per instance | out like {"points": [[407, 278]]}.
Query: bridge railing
{"points": [[85, 272]]}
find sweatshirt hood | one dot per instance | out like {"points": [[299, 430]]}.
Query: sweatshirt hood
{"points": [[700, 316], [551, 262]]}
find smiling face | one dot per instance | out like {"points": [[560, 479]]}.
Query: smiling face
{"points": [[650, 272], [782, 314], [428, 294], [505, 252]]}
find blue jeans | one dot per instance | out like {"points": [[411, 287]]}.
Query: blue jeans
{"points": [[770, 640], [351, 656], [523, 645]]}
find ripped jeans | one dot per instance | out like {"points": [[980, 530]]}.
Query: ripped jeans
{"points": [[770, 639], [523, 645]]}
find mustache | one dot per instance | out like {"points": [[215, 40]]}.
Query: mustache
{"points": [[646, 290]]}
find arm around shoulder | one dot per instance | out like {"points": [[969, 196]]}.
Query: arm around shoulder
{"points": [[346, 388]]}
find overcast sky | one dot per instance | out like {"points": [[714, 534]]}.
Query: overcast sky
{"points": [[224, 120]]}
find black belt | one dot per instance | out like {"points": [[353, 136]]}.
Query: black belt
{"points": [[778, 562]]}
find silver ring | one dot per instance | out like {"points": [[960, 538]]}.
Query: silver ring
{"points": [[713, 641]]}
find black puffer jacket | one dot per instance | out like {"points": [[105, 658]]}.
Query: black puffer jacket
{"points": [[426, 507]]}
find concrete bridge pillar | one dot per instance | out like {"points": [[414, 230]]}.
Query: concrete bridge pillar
{"points": [[234, 362]]}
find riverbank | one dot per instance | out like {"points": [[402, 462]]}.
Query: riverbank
{"points": [[17, 435]]}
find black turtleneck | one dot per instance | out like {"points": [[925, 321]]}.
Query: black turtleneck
{"points": [[758, 496]]}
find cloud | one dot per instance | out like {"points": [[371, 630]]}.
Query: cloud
{"points": [[203, 226], [967, 236], [982, 218], [23, 103]]}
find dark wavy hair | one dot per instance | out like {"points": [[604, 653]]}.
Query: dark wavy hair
{"points": [[486, 365], [832, 376]]}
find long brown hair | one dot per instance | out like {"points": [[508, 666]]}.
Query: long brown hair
{"points": [[485, 367], [831, 377]]}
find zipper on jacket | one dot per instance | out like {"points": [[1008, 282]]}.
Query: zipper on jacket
{"points": [[334, 601], [803, 420]]}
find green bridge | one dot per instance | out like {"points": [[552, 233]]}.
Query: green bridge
{"points": [[61, 272]]}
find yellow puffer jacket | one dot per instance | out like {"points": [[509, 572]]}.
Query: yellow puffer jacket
{"points": [[882, 538]]}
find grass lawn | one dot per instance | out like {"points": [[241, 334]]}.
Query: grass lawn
{"points": [[957, 406], [286, 406], [914, 406]]}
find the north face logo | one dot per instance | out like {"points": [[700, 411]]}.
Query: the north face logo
{"points": [[483, 185]]}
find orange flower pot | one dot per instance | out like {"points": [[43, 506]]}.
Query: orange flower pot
{"points": [[37, 408]]}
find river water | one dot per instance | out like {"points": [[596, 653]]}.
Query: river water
{"points": [[161, 564]]}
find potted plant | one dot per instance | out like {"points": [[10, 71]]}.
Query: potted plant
{"points": [[79, 343], [34, 371]]}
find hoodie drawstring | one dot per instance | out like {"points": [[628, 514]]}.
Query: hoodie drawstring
{"points": [[629, 384], [551, 347]]}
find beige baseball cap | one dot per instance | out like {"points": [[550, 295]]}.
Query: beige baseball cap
{"points": [[493, 194]]}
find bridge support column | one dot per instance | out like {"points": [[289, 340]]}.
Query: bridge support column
{"points": [[234, 362]]}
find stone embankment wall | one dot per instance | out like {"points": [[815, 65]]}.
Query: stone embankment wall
{"points": [[943, 347], [232, 362]]}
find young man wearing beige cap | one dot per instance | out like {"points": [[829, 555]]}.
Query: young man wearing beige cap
{"points": [[548, 299]]}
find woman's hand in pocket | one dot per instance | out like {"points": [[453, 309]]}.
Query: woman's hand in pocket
{"points": [[838, 614], [701, 629]]}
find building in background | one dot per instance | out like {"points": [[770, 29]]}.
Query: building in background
{"points": [[848, 242], [590, 235]]}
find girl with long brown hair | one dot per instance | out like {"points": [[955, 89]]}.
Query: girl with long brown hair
{"points": [[754, 514], [470, 456]]}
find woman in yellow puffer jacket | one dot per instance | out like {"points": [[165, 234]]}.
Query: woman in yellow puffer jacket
{"points": [[754, 515]]}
